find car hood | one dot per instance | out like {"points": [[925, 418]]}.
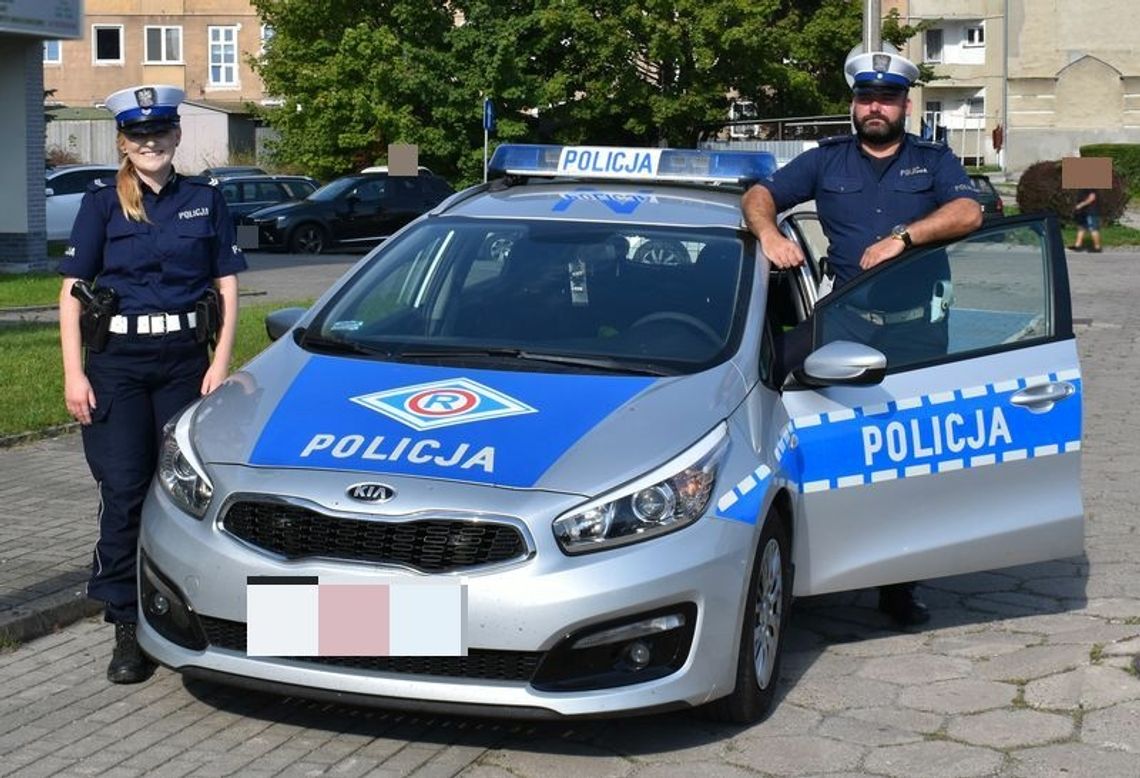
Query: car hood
{"points": [[562, 432]]}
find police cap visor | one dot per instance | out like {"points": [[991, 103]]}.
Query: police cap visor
{"points": [[148, 127], [886, 92]]}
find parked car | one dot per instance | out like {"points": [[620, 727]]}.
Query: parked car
{"points": [[232, 170], [357, 211], [988, 197], [247, 193], [64, 190], [562, 477]]}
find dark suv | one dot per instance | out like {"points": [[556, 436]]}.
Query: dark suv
{"points": [[357, 210], [248, 193], [988, 197]]}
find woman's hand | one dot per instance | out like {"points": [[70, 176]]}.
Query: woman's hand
{"points": [[79, 396], [215, 375]]}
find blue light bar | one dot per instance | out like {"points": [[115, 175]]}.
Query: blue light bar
{"points": [[631, 164]]}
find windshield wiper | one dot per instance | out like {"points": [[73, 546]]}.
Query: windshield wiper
{"points": [[338, 346], [606, 364]]}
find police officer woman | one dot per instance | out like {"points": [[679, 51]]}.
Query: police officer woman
{"points": [[877, 192], [159, 250]]}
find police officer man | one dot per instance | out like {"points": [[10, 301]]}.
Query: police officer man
{"points": [[153, 262], [877, 192]]}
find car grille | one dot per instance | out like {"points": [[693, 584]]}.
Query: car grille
{"points": [[483, 664], [429, 545]]}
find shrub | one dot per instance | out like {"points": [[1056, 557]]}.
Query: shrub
{"points": [[57, 156], [1039, 189], [1125, 159]]}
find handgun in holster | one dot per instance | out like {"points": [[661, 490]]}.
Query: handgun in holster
{"points": [[100, 304], [208, 314]]}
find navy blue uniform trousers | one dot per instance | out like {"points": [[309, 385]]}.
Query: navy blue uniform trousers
{"points": [[140, 382]]}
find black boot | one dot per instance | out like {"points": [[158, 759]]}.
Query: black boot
{"points": [[898, 602], [128, 663]]}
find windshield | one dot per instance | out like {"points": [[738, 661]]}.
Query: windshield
{"points": [[602, 296], [334, 189]]}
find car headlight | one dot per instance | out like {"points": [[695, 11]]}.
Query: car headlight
{"points": [[181, 475], [666, 499]]}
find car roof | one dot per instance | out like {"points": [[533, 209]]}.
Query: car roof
{"points": [[263, 177], [59, 169]]}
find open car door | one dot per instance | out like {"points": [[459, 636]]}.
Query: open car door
{"points": [[915, 461]]}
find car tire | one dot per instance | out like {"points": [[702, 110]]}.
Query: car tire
{"points": [[662, 251], [308, 238], [765, 621]]}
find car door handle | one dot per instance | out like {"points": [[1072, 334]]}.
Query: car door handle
{"points": [[1041, 398]]}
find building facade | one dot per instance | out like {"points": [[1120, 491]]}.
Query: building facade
{"points": [[1026, 80], [201, 46]]}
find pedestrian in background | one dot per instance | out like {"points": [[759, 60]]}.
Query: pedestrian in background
{"points": [[877, 192], [149, 281], [1087, 214]]}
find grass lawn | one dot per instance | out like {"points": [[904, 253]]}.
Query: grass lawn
{"points": [[31, 374], [24, 290]]}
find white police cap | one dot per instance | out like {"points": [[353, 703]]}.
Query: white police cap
{"points": [[146, 108], [885, 68]]}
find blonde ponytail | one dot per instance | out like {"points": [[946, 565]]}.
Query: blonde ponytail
{"points": [[128, 187]]}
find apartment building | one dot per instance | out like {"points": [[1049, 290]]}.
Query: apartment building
{"points": [[202, 46], [1047, 76]]}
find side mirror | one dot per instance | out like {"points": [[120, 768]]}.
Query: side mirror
{"points": [[48, 191], [845, 363], [281, 321]]}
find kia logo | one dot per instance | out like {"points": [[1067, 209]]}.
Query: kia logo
{"points": [[371, 492]]}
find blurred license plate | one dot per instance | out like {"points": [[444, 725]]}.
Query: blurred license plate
{"points": [[248, 236], [307, 616]]}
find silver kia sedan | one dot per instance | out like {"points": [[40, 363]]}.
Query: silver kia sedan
{"points": [[551, 450]]}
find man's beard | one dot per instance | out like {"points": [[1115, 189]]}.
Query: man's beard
{"points": [[882, 134]]}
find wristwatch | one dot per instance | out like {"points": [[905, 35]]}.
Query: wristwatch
{"points": [[900, 231]]}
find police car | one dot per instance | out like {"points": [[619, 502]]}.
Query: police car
{"points": [[537, 455]]}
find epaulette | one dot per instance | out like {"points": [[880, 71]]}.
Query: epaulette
{"points": [[836, 139], [101, 183], [200, 180]]}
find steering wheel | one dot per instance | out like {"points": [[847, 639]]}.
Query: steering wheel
{"points": [[661, 251], [681, 318]]}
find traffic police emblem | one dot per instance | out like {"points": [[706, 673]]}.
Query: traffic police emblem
{"points": [[443, 404]]}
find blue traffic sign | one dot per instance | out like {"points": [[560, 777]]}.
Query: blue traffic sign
{"points": [[488, 115]]}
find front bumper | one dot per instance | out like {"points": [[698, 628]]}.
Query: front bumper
{"points": [[523, 611]]}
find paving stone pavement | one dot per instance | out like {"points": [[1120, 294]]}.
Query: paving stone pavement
{"points": [[1023, 672]]}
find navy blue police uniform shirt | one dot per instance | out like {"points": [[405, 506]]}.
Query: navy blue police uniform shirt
{"points": [[858, 204], [164, 265]]}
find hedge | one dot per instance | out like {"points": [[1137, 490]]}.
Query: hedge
{"points": [[1125, 161]]}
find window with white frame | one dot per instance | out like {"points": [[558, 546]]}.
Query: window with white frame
{"points": [[976, 106], [53, 54], [223, 56], [108, 44], [266, 36], [975, 35], [932, 50], [163, 45]]}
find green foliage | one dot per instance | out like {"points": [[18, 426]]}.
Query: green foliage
{"points": [[1039, 189], [355, 77], [1125, 160]]}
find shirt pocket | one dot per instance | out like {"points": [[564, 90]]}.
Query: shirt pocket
{"points": [[923, 182], [189, 258], [841, 185]]}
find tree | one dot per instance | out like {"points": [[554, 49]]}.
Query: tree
{"points": [[355, 77]]}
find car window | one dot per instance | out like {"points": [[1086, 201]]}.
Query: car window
{"points": [[570, 288], [231, 192], [985, 293], [983, 185], [264, 191], [299, 190], [76, 181], [371, 191]]}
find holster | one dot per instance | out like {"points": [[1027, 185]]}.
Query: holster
{"points": [[208, 311], [99, 305]]}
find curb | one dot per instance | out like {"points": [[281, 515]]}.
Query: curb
{"points": [[20, 438], [51, 612]]}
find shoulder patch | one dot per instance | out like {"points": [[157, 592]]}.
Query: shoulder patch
{"points": [[101, 183], [836, 140], [200, 180]]}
